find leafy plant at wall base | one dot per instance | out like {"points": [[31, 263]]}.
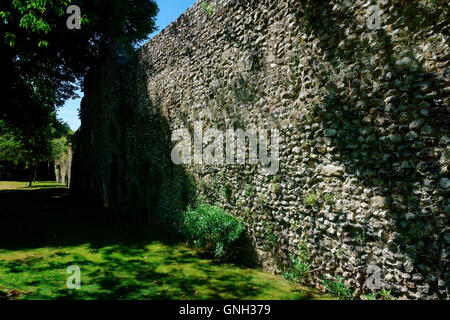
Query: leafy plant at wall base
{"points": [[299, 269], [338, 288], [269, 235], [369, 297], [384, 295], [302, 250], [211, 227]]}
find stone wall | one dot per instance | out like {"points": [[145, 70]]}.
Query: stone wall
{"points": [[362, 114], [63, 168]]}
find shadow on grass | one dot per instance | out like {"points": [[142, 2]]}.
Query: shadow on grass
{"points": [[50, 217], [44, 232]]}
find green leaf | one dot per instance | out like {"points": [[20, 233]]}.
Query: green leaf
{"points": [[43, 43], [10, 38]]}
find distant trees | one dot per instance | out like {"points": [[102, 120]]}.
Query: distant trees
{"points": [[46, 145], [10, 147]]}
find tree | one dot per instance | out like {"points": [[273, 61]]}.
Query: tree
{"points": [[10, 147], [45, 145], [43, 57], [43, 62]]}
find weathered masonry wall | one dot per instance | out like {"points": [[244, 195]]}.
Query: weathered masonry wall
{"points": [[363, 118], [63, 168]]}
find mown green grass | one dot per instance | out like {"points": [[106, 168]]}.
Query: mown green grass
{"points": [[45, 233], [154, 271], [38, 185]]}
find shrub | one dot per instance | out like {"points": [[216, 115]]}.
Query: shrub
{"points": [[300, 268], [298, 271], [211, 227], [384, 295], [338, 288]]}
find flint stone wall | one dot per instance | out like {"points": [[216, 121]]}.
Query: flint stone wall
{"points": [[363, 117], [63, 168]]}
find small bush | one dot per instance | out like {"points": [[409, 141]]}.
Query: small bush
{"points": [[211, 227], [338, 288], [299, 270], [384, 295]]}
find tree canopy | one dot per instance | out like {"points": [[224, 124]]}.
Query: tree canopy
{"points": [[42, 61], [47, 144], [42, 58]]}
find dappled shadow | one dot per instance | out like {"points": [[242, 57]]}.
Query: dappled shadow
{"points": [[118, 278], [122, 154], [116, 262]]}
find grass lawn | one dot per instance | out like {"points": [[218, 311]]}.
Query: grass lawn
{"points": [[18, 185], [43, 232]]}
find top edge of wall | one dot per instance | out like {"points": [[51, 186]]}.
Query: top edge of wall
{"points": [[174, 23], [192, 10]]}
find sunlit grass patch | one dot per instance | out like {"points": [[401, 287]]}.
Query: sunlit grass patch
{"points": [[38, 185], [43, 233], [155, 271]]}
